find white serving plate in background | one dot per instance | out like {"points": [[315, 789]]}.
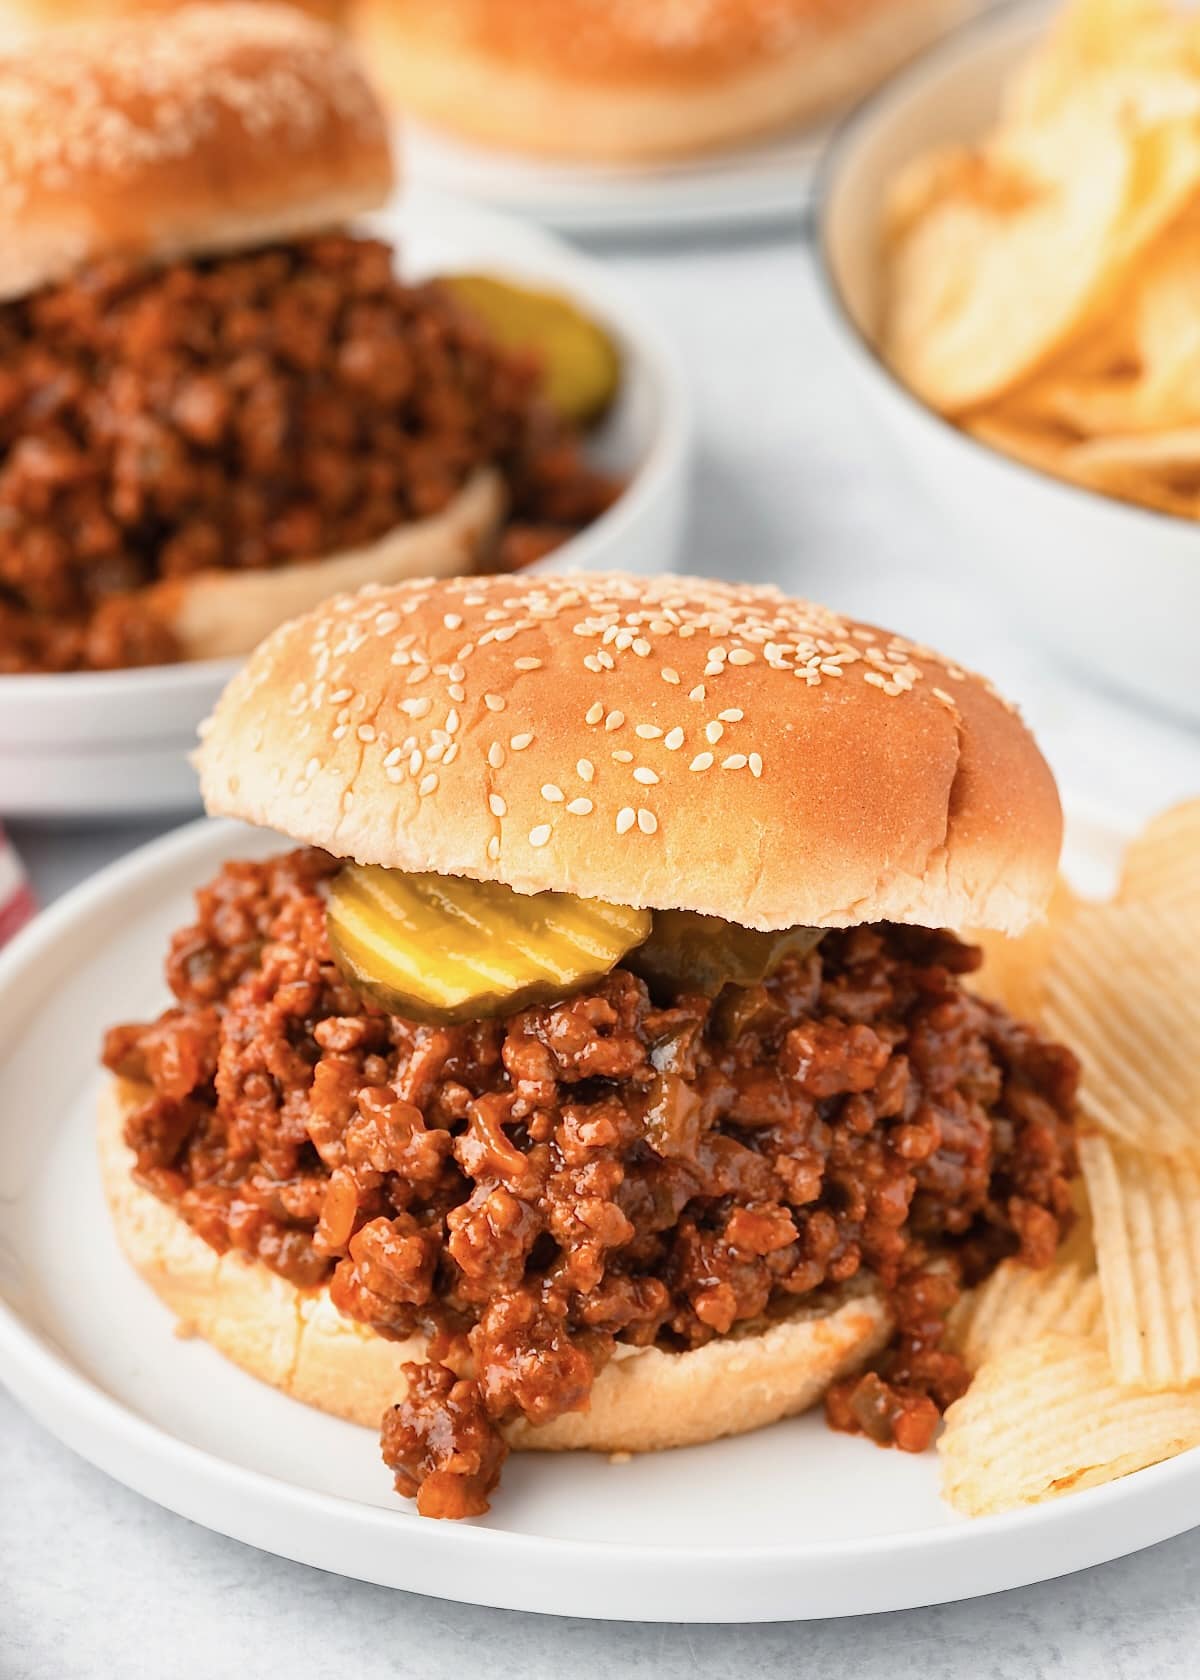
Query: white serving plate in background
{"points": [[1110, 588], [116, 743], [793, 1521]]}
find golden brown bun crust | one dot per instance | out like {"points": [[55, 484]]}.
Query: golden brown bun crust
{"points": [[662, 743], [297, 1340], [634, 79], [212, 128]]}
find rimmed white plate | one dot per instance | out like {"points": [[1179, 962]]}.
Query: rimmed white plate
{"points": [[115, 743], [750, 186], [791, 1522]]}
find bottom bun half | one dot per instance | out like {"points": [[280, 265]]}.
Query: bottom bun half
{"points": [[224, 615], [643, 1400]]}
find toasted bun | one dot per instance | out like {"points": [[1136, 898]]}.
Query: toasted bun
{"points": [[219, 615], [297, 1340], [624, 80], [667, 743], [212, 128]]}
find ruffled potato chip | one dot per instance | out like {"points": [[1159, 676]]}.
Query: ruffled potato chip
{"points": [[1019, 1303], [1046, 1418], [1162, 866], [1123, 990], [1146, 1212], [1014, 970]]}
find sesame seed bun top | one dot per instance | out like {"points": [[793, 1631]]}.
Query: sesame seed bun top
{"points": [[665, 743], [207, 129]]}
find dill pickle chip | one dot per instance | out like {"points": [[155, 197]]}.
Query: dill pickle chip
{"points": [[439, 948], [693, 953], [581, 366]]}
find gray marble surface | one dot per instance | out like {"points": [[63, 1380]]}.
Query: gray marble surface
{"points": [[792, 482]]}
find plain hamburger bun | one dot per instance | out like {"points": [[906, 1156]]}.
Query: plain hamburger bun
{"points": [[207, 129], [643, 1400], [666, 743], [627, 80], [217, 615]]}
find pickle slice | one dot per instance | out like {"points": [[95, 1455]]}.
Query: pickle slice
{"points": [[580, 363], [688, 952], [440, 949]]}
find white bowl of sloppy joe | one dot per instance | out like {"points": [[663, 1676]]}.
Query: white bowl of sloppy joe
{"points": [[1114, 588], [114, 742]]}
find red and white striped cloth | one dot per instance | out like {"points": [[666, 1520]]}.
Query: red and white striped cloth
{"points": [[16, 896]]}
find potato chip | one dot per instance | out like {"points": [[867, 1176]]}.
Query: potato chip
{"points": [[1003, 267], [1019, 1303], [1162, 866], [1146, 1212], [1123, 990], [1043, 285], [1014, 970], [1047, 1418]]}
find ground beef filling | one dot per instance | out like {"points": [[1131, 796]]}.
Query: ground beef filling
{"points": [[244, 412], [530, 1191]]}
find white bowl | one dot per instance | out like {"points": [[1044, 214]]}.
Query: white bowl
{"points": [[1113, 589], [114, 743]]}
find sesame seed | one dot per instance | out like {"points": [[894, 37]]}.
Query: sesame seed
{"points": [[427, 783], [702, 761], [940, 694], [552, 792], [732, 714], [495, 755], [594, 713], [741, 656], [494, 702], [641, 647], [648, 731], [452, 621], [735, 761], [614, 720], [647, 821], [415, 761], [592, 663], [518, 743], [538, 836], [457, 692], [875, 679], [585, 769], [452, 722], [626, 817], [645, 776], [493, 847], [623, 756], [451, 753], [393, 757], [670, 674], [673, 740], [755, 764], [528, 663], [580, 807], [698, 693], [497, 805], [713, 731], [366, 732]]}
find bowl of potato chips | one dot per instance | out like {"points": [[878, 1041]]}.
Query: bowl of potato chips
{"points": [[1010, 238]]}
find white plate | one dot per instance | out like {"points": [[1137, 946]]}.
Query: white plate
{"points": [[1112, 588], [791, 1522], [116, 742], [754, 185]]}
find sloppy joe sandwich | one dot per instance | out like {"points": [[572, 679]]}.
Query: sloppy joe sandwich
{"points": [[628, 81], [218, 404], [599, 1072]]}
